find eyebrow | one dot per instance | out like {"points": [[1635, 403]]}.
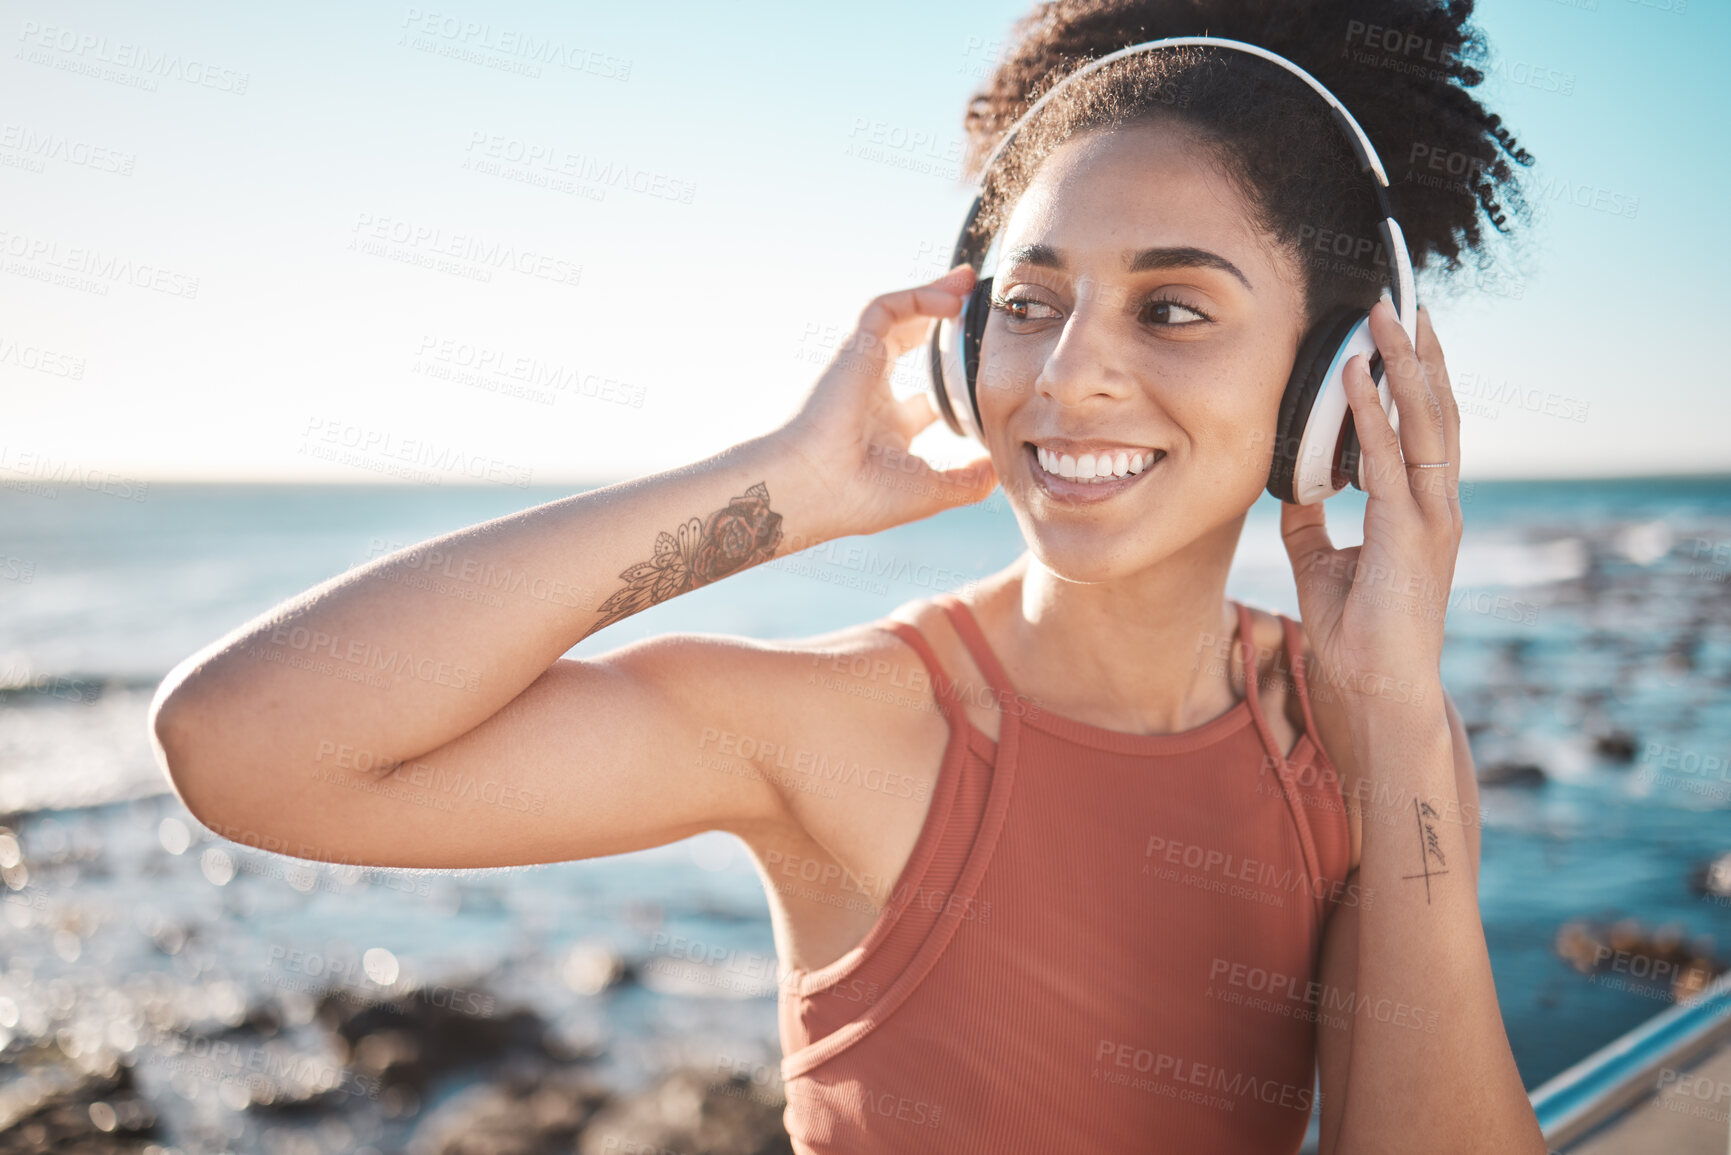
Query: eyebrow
{"points": [[1141, 261]]}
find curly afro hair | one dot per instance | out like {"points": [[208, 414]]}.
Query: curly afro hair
{"points": [[1402, 67]]}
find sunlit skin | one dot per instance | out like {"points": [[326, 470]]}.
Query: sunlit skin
{"points": [[1189, 360]]}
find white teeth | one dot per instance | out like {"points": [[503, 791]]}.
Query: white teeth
{"points": [[1104, 467]]}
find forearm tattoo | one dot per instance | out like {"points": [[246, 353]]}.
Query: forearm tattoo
{"points": [[1429, 846], [739, 535]]}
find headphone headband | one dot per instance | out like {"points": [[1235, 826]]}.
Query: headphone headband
{"points": [[1404, 290], [1367, 157]]}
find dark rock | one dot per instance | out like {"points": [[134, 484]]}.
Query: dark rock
{"points": [[263, 1018], [171, 937], [1684, 653], [1512, 774], [407, 1040], [530, 1111], [1676, 664], [693, 1111], [1628, 952], [67, 1110], [1617, 746], [274, 1068]]}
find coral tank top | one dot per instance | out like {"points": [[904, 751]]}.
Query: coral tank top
{"points": [[1102, 941]]}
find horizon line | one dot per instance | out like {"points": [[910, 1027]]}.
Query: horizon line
{"points": [[595, 483]]}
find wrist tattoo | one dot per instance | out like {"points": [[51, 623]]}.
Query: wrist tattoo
{"points": [[1429, 846], [739, 535]]}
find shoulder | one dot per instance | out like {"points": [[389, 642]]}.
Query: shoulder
{"points": [[858, 690], [871, 673], [791, 710], [970, 685], [858, 674]]}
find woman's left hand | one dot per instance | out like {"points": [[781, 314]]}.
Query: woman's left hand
{"points": [[1374, 612]]}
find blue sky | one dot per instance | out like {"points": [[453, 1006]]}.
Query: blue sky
{"points": [[337, 242]]}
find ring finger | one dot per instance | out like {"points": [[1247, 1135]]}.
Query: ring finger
{"points": [[1422, 423]]}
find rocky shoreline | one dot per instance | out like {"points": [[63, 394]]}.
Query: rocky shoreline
{"points": [[404, 1073], [166, 992]]}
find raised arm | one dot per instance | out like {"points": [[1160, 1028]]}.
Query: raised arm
{"points": [[1414, 1055], [438, 667]]}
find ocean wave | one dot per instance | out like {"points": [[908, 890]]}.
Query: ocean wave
{"points": [[1521, 563], [61, 749]]}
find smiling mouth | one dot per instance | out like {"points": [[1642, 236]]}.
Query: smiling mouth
{"points": [[1091, 475]]}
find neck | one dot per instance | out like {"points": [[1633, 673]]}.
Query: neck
{"points": [[1144, 653]]}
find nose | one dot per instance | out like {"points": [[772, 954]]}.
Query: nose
{"points": [[1088, 362]]}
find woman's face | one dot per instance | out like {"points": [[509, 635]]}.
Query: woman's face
{"points": [[1138, 311]]}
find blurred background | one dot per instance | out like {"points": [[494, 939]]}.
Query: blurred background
{"points": [[286, 289]]}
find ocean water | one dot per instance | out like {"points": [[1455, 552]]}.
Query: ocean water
{"points": [[1580, 609]]}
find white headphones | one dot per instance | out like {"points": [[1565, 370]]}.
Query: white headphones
{"points": [[1315, 447]]}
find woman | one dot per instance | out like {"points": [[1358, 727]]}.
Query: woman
{"points": [[1094, 860]]}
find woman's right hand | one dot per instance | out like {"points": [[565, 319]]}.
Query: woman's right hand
{"points": [[853, 433]]}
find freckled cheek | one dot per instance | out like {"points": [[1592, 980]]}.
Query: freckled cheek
{"points": [[1232, 420], [1005, 381]]}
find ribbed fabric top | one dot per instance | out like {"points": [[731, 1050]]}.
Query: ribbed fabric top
{"points": [[1102, 941]]}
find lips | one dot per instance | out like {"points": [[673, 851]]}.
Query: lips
{"points": [[1125, 466]]}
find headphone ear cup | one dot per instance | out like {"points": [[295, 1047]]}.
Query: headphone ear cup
{"points": [[977, 310], [954, 361], [942, 362], [1300, 426], [950, 374]]}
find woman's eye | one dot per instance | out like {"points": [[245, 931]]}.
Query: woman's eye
{"points": [[1174, 313], [1023, 308]]}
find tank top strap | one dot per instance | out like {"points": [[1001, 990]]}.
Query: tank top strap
{"points": [[1295, 659], [943, 689], [1252, 685], [997, 681]]}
